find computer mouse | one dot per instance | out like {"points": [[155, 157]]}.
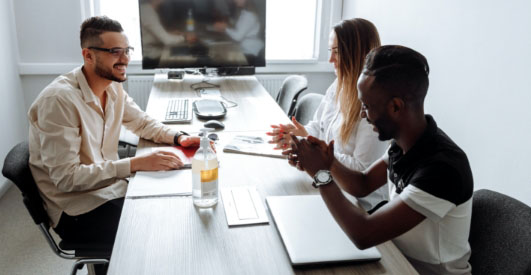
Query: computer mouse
{"points": [[214, 124]]}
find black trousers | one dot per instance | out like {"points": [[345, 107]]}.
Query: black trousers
{"points": [[97, 226]]}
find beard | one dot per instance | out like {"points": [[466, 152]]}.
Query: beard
{"points": [[107, 73], [386, 129]]}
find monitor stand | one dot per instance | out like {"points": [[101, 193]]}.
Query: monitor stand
{"points": [[227, 71]]}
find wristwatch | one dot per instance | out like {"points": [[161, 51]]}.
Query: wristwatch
{"points": [[322, 177], [176, 137]]}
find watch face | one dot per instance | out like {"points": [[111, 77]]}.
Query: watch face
{"points": [[323, 176]]}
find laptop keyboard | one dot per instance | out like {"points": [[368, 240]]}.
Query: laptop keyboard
{"points": [[178, 110]]}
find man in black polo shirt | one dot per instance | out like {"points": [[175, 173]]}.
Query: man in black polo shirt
{"points": [[428, 216]]}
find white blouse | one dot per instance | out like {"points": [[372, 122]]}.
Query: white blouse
{"points": [[362, 148]]}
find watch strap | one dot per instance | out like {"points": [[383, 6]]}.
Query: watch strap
{"points": [[176, 137]]}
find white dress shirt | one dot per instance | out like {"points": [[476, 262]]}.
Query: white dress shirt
{"points": [[246, 31], [74, 144], [362, 148]]}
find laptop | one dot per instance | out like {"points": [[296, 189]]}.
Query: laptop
{"points": [[310, 233]]}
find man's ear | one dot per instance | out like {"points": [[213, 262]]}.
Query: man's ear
{"points": [[88, 55], [396, 105]]}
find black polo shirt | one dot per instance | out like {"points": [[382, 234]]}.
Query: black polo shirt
{"points": [[434, 178], [435, 164]]}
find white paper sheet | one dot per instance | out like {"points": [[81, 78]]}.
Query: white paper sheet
{"points": [[243, 206], [160, 184]]}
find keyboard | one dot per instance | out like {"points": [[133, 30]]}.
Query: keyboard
{"points": [[179, 110]]}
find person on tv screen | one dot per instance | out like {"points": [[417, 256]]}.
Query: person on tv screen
{"points": [[155, 37], [338, 116], [245, 29]]}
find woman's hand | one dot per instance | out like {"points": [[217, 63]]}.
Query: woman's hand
{"points": [[281, 133]]}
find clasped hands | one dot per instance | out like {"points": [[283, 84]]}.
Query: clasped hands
{"points": [[310, 154]]}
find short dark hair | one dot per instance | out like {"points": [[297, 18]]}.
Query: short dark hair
{"points": [[400, 71], [93, 27]]}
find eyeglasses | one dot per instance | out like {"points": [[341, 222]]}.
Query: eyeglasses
{"points": [[117, 51]]}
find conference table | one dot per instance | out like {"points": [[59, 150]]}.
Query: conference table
{"points": [[169, 235]]}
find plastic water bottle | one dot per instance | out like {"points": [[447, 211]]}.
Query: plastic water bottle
{"points": [[190, 22], [205, 173]]}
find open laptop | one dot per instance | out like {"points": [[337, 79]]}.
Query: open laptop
{"points": [[310, 233]]}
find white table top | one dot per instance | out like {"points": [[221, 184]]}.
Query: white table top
{"points": [[168, 235]]}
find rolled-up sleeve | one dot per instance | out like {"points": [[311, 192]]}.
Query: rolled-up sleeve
{"points": [[60, 141]]}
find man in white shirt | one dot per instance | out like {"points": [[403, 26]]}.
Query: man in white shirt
{"points": [[430, 181], [73, 137]]}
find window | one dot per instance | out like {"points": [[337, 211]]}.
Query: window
{"points": [[291, 30], [125, 12]]}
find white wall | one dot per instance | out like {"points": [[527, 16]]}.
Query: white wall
{"points": [[480, 91], [13, 123], [48, 38], [48, 31]]}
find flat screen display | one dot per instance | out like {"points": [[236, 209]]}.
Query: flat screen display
{"points": [[202, 33]]}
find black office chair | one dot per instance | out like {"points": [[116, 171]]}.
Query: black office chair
{"points": [[291, 88], [500, 234], [16, 168], [127, 143], [306, 107]]}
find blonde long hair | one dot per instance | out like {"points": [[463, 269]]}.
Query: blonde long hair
{"points": [[355, 39]]}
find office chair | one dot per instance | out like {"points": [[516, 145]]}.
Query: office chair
{"points": [[291, 88], [500, 234], [16, 168], [306, 107], [127, 143]]}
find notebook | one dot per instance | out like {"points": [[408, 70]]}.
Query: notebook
{"points": [[252, 145], [310, 233]]}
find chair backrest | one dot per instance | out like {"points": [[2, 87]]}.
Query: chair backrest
{"points": [[306, 107], [291, 88], [16, 168], [500, 234]]}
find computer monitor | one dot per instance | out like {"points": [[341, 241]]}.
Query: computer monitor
{"points": [[202, 33]]}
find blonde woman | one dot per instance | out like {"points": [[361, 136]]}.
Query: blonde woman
{"points": [[338, 116]]}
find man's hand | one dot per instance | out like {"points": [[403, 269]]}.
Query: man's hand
{"points": [[189, 141], [156, 161], [311, 155]]}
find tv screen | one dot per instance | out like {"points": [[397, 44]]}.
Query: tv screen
{"points": [[202, 33]]}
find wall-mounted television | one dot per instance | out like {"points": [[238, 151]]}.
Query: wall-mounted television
{"points": [[202, 33]]}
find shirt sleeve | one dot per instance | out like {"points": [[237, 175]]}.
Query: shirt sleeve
{"points": [[153, 25], [246, 22], [145, 126], [433, 190], [58, 125]]}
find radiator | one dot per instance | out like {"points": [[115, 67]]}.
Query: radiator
{"points": [[271, 82], [138, 87]]}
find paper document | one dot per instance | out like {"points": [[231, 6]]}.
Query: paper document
{"points": [[160, 184], [243, 206], [252, 145]]}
